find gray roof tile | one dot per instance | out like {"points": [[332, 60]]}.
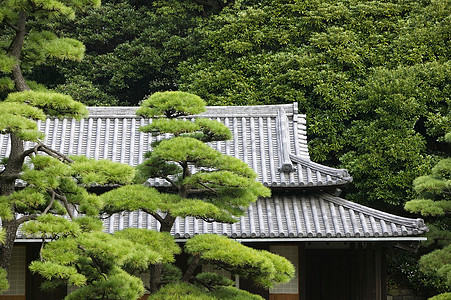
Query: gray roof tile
{"points": [[318, 215], [272, 139]]}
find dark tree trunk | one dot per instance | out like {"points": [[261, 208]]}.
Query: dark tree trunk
{"points": [[5, 251], [16, 51], [167, 223], [13, 167], [7, 187], [157, 269], [15, 161], [155, 277], [192, 267]]}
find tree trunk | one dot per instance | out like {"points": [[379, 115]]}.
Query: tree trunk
{"points": [[6, 249], [15, 160], [16, 51], [7, 187], [13, 167], [167, 223], [192, 267], [155, 277], [156, 270]]}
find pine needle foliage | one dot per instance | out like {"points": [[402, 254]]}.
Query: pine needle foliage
{"points": [[265, 268], [54, 204], [434, 201], [201, 183], [52, 104], [171, 105]]}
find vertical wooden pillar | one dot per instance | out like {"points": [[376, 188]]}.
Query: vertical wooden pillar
{"points": [[384, 272], [362, 272], [301, 272], [354, 261], [378, 273]]}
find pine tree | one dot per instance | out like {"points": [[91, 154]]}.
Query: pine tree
{"points": [[52, 182], [205, 184], [434, 199]]}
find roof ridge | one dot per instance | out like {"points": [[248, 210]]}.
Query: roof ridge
{"points": [[342, 173], [283, 140], [216, 111], [418, 222]]}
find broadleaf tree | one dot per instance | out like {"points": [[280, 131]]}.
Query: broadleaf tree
{"points": [[372, 77]]}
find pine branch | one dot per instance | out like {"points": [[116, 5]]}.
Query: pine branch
{"points": [[65, 202], [155, 215], [209, 287], [208, 188], [12, 26], [24, 219], [31, 151], [172, 182], [46, 149], [94, 260], [50, 204]]}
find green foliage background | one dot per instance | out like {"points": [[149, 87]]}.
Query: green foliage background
{"points": [[373, 77]]}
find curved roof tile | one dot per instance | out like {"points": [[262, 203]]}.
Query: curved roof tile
{"points": [[319, 215], [272, 139]]}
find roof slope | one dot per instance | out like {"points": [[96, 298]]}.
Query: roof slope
{"points": [[270, 138], [314, 216]]}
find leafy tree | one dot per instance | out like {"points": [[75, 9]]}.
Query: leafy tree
{"points": [[132, 50], [434, 199], [401, 114], [348, 64]]}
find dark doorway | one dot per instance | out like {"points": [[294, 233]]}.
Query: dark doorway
{"points": [[329, 274]]}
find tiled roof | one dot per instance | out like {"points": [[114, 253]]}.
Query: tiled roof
{"points": [[313, 217], [318, 215], [270, 138]]}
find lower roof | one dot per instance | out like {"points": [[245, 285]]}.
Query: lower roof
{"points": [[318, 216], [287, 218]]}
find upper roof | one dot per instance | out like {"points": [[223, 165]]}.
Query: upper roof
{"points": [[272, 139]]}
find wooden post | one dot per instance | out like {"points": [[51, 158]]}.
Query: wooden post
{"points": [[301, 271], [378, 273]]}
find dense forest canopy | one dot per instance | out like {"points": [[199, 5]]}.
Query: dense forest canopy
{"points": [[373, 77]]}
